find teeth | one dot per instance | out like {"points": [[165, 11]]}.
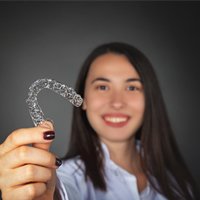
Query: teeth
{"points": [[115, 119]]}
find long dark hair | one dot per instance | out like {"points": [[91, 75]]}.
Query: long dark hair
{"points": [[161, 160]]}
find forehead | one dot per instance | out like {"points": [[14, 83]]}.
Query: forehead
{"points": [[111, 64]]}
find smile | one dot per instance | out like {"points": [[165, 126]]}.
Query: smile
{"points": [[116, 120]]}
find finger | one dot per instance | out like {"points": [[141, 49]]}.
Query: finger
{"points": [[50, 187], [28, 155], [25, 192], [52, 183], [31, 173], [45, 146], [25, 136]]}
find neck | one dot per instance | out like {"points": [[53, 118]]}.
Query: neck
{"points": [[124, 154]]}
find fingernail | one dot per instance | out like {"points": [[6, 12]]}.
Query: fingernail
{"points": [[49, 135], [58, 162]]}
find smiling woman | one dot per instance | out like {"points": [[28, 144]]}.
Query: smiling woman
{"points": [[122, 145]]}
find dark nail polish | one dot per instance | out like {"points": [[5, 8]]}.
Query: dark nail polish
{"points": [[49, 135], [58, 162]]}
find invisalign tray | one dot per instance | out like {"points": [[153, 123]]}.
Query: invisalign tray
{"points": [[34, 109]]}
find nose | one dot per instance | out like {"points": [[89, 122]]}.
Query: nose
{"points": [[117, 100]]}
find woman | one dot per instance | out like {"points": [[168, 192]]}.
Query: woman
{"points": [[141, 116], [122, 145]]}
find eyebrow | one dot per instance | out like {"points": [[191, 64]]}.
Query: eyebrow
{"points": [[100, 79], [134, 79], [107, 80]]}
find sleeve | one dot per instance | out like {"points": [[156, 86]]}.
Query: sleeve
{"points": [[67, 187], [61, 189]]}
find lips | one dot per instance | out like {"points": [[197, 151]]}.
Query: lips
{"points": [[116, 120]]}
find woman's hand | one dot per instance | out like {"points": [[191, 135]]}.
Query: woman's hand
{"points": [[28, 171]]}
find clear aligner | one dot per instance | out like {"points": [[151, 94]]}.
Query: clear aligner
{"points": [[35, 110]]}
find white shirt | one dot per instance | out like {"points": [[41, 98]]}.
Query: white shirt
{"points": [[121, 185]]}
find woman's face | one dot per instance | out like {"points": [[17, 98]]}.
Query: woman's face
{"points": [[114, 98]]}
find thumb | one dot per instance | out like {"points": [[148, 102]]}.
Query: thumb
{"points": [[45, 146]]}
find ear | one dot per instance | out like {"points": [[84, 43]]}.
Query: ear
{"points": [[84, 105]]}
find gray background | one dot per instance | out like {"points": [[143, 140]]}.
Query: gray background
{"points": [[52, 39]]}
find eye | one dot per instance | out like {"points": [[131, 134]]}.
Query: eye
{"points": [[132, 88], [102, 87]]}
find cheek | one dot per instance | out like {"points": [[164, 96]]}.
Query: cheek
{"points": [[138, 104], [94, 102], [93, 110]]}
